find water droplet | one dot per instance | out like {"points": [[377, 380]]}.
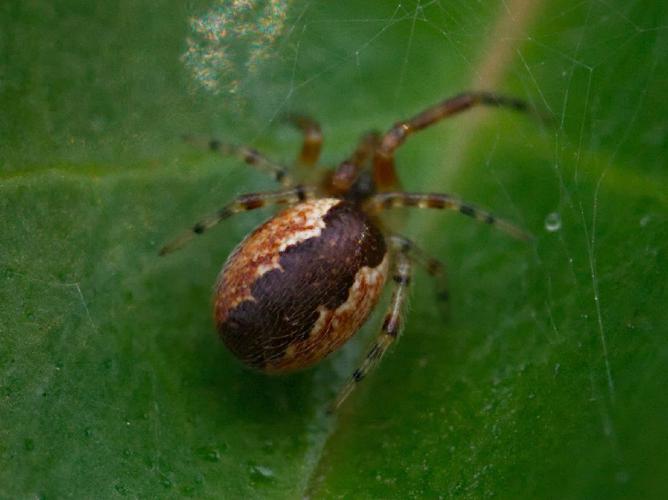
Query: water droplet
{"points": [[644, 220], [166, 482], [88, 432], [553, 222], [127, 453], [261, 473]]}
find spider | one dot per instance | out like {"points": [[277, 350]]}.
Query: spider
{"points": [[304, 282]]}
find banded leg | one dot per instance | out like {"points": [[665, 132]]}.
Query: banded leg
{"points": [[385, 201], [389, 331], [250, 156], [366, 147], [242, 203], [310, 152], [347, 172], [434, 267], [384, 173]]}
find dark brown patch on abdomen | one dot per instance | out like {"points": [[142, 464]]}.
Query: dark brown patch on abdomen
{"points": [[317, 272]]}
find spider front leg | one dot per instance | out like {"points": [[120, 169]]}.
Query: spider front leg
{"points": [[242, 203], [401, 278], [348, 171], [383, 163], [310, 152], [248, 155]]}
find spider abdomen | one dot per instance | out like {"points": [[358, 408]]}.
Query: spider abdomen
{"points": [[300, 285]]}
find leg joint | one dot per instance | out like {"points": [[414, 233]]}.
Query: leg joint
{"points": [[401, 279], [391, 325]]}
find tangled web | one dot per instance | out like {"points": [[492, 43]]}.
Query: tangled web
{"points": [[559, 58], [231, 40]]}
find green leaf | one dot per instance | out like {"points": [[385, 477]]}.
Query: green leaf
{"points": [[544, 375]]}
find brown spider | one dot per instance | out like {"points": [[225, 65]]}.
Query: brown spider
{"points": [[301, 284]]}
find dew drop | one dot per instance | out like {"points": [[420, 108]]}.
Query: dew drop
{"points": [[261, 473], [553, 222]]}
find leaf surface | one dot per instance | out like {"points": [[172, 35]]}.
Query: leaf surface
{"points": [[543, 376]]}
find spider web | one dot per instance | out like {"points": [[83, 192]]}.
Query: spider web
{"points": [[362, 65], [388, 60]]}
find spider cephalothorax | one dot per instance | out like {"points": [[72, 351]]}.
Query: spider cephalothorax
{"points": [[301, 284]]}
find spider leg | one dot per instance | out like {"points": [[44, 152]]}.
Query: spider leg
{"points": [[434, 267], [385, 201], [347, 172], [310, 152], [248, 155], [242, 203], [384, 172], [365, 148], [389, 331]]}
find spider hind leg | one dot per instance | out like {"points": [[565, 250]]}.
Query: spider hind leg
{"points": [[390, 330]]}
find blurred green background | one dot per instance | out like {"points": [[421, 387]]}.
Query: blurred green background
{"points": [[545, 376]]}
